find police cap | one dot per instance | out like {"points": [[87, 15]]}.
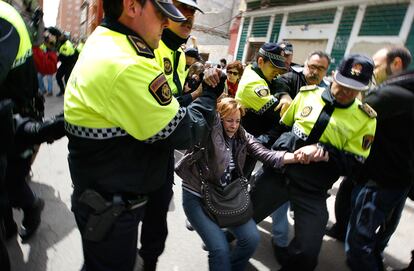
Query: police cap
{"points": [[287, 47], [168, 9], [355, 72], [191, 3], [192, 52], [275, 53]]}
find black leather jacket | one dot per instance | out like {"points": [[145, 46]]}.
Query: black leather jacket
{"points": [[216, 157]]}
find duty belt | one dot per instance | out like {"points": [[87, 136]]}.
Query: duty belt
{"points": [[104, 213], [94, 133]]}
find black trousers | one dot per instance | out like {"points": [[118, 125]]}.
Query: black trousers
{"points": [[271, 190], [154, 225], [118, 250], [19, 193], [63, 73], [343, 205], [4, 256]]}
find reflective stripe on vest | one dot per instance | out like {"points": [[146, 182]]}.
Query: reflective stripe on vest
{"points": [[8, 13]]}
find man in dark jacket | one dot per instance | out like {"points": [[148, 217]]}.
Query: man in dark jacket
{"points": [[388, 173], [389, 61], [313, 72]]}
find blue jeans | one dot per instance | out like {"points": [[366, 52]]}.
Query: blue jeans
{"points": [[375, 216], [221, 257], [49, 78], [280, 226]]}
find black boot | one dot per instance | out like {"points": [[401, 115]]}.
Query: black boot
{"points": [[4, 256], [280, 253], [31, 220], [336, 232], [150, 265]]}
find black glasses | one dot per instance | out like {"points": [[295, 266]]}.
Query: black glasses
{"points": [[234, 73]]}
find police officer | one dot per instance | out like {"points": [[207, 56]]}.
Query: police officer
{"points": [[123, 124], [67, 57], [171, 56], [343, 127], [18, 83], [171, 59], [256, 89], [313, 72]]}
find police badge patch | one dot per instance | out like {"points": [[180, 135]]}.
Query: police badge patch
{"points": [[160, 90], [262, 91], [367, 141], [167, 66], [306, 111]]}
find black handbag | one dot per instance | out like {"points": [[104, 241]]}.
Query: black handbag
{"points": [[228, 205]]}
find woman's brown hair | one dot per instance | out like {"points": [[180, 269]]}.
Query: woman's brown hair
{"points": [[235, 65], [227, 106]]}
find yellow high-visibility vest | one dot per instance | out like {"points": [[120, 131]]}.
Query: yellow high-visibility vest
{"points": [[119, 85]]}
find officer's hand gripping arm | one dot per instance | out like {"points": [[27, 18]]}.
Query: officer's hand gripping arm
{"points": [[195, 125]]}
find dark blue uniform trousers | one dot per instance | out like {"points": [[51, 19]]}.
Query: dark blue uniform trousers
{"points": [[375, 217], [271, 190], [154, 229], [118, 250]]}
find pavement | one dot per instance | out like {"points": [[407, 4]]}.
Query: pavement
{"points": [[57, 244]]}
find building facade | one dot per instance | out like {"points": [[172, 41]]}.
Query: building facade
{"points": [[68, 18], [336, 27], [213, 28], [90, 16]]}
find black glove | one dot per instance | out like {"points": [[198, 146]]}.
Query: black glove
{"points": [[35, 132], [218, 90]]}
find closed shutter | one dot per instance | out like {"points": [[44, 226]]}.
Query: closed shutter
{"points": [[312, 17], [260, 26], [410, 43], [243, 38], [276, 28], [253, 5], [342, 35], [383, 20]]}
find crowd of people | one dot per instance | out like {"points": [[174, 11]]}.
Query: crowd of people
{"points": [[308, 128]]}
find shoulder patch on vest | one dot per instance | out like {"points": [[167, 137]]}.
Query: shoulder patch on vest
{"points": [[167, 66], [308, 88], [140, 46], [262, 91], [160, 90], [367, 141], [368, 110]]}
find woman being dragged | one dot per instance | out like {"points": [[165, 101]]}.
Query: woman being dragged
{"points": [[219, 164]]}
